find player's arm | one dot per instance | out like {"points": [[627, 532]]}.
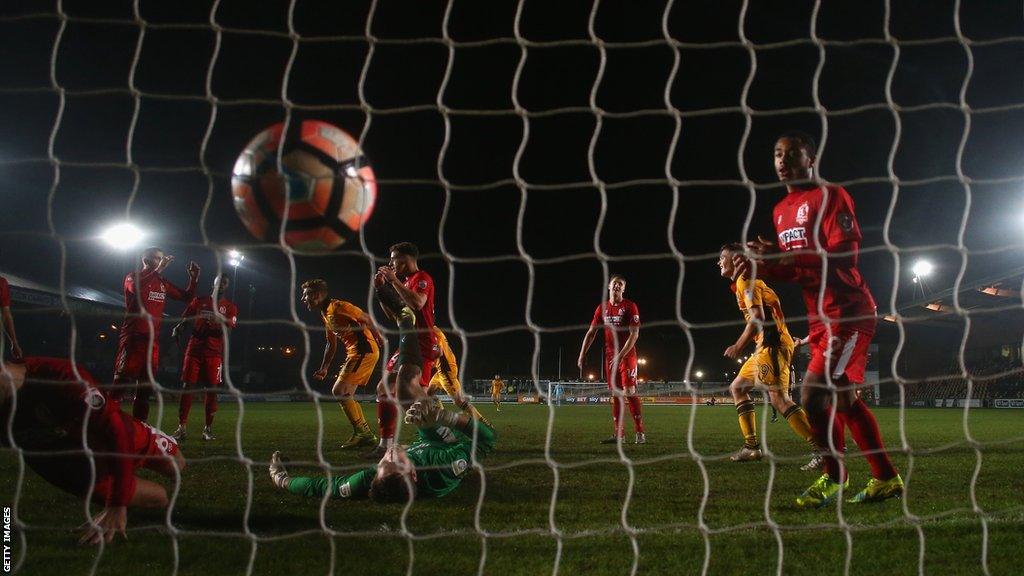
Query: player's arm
{"points": [[427, 416], [366, 322], [752, 329], [627, 347], [589, 337], [189, 314], [190, 290], [353, 487], [329, 351], [411, 298], [12, 337], [107, 422]]}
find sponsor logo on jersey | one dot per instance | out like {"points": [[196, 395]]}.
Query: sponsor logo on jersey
{"points": [[802, 213], [613, 319], [345, 490], [793, 238], [636, 318], [157, 296], [459, 467]]}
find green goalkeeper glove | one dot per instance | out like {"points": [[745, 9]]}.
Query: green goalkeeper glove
{"points": [[427, 414]]}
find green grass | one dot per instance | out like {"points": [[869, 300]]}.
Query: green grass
{"points": [[283, 534]]}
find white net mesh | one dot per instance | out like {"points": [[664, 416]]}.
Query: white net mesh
{"points": [[475, 106]]}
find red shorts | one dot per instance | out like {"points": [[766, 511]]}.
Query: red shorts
{"points": [[428, 365], [132, 351], [845, 353], [73, 473], [625, 377], [205, 369]]}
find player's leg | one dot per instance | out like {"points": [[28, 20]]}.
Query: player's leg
{"points": [[189, 378], [150, 358], [848, 361], [450, 383], [355, 372], [212, 373], [746, 414], [627, 376], [614, 388]]}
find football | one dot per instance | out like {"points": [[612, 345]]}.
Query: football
{"points": [[321, 194]]}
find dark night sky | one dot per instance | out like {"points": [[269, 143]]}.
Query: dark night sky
{"points": [[404, 134]]}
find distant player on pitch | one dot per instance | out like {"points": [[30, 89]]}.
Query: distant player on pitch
{"points": [[138, 346], [621, 321], [841, 313], [347, 322], [497, 389], [204, 354], [769, 365]]}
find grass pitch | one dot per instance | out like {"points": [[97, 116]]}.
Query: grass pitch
{"points": [[228, 519]]}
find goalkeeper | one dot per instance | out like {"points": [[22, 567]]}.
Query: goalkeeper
{"points": [[430, 468]]}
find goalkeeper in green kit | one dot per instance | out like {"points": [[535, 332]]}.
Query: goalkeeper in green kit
{"points": [[432, 467]]}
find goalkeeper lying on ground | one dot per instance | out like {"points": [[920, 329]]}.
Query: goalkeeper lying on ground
{"points": [[429, 468]]}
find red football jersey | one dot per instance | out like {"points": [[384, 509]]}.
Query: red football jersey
{"points": [[53, 409], [846, 293], [207, 329], [153, 291], [5, 293], [421, 283], [616, 319]]}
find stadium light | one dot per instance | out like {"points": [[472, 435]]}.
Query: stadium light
{"points": [[235, 258], [642, 361], [122, 236], [922, 268], [699, 374], [590, 376]]}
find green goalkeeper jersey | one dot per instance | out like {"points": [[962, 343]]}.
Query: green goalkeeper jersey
{"points": [[440, 467]]}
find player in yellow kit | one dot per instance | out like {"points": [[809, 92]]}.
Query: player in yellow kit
{"points": [[355, 329], [769, 365], [446, 376], [497, 387]]}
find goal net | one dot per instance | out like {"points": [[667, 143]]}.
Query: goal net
{"points": [[532, 150]]}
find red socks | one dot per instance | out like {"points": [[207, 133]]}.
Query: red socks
{"points": [[865, 432], [387, 416], [140, 408], [617, 414], [184, 407], [636, 411], [211, 407]]}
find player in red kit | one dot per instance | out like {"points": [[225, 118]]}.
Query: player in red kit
{"points": [[8, 320], [413, 288], [72, 435], [621, 321], [204, 354], [819, 240], [138, 346]]}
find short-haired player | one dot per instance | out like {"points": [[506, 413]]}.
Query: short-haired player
{"points": [[621, 321], [769, 365], [204, 354], [812, 220], [355, 329]]}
